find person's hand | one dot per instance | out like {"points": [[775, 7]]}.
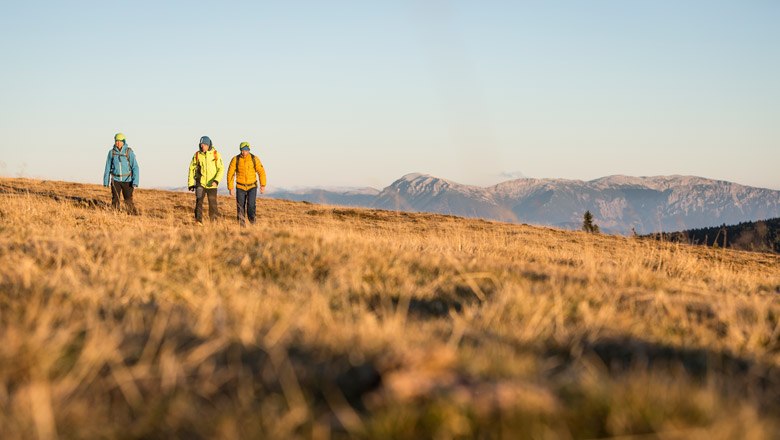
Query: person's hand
{"points": [[216, 183], [191, 188], [262, 190], [230, 191]]}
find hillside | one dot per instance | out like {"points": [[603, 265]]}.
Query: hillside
{"points": [[325, 322], [620, 204], [761, 236]]}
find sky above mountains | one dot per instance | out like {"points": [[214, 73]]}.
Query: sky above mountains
{"points": [[348, 93]]}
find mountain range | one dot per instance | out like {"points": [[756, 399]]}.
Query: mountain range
{"points": [[619, 204]]}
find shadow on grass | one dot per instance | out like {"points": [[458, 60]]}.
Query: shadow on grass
{"points": [[733, 375], [80, 201], [320, 374], [444, 301]]}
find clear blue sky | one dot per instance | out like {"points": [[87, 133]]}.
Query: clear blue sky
{"points": [[358, 93]]}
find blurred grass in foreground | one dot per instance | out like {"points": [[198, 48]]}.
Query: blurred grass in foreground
{"points": [[323, 322]]}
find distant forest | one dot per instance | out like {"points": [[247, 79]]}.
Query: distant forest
{"points": [[759, 236]]}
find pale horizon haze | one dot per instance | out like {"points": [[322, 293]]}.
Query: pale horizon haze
{"points": [[348, 93]]}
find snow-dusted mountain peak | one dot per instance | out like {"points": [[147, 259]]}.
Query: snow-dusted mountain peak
{"points": [[413, 176], [660, 183], [417, 183]]}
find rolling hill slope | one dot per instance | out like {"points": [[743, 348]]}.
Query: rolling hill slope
{"points": [[336, 322], [760, 236]]}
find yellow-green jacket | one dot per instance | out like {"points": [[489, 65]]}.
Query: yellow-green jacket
{"points": [[246, 169], [206, 169]]}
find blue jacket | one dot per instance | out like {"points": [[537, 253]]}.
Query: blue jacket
{"points": [[121, 166]]}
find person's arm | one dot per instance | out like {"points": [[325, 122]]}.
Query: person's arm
{"points": [[191, 176], [107, 171], [134, 169], [231, 174], [260, 174], [220, 169]]}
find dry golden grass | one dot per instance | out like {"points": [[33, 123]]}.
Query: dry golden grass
{"points": [[323, 322]]}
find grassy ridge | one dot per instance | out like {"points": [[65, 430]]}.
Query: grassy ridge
{"points": [[332, 322], [760, 236]]}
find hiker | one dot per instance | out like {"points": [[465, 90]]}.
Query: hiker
{"points": [[121, 173], [246, 167], [206, 170]]}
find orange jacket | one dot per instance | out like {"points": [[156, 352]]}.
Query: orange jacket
{"points": [[245, 172]]}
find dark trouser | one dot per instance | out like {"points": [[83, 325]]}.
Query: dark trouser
{"points": [[245, 204], [200, 193], [125, 189]]}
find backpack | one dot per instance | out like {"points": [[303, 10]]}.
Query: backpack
{"points": [[126, 154], [197, 165], [254, 165], [195, 157]]}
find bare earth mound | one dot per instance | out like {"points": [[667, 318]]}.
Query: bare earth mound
{"points": [[332, 322]]}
